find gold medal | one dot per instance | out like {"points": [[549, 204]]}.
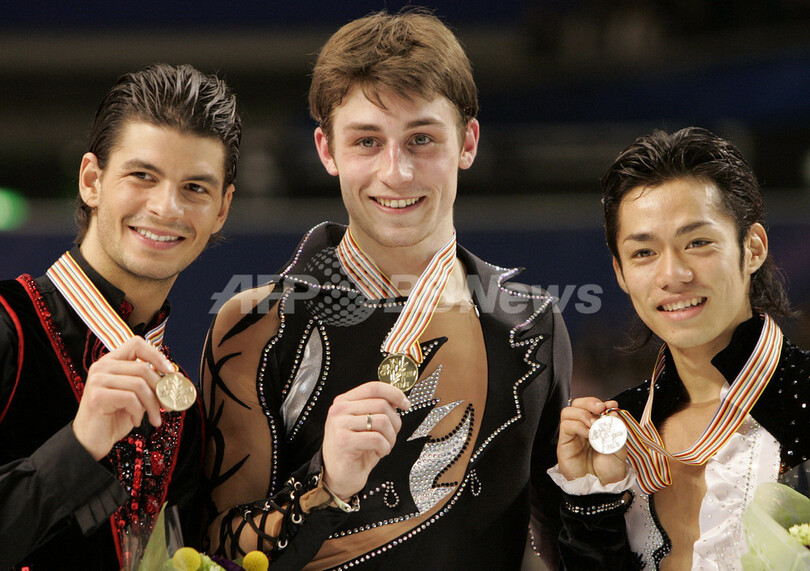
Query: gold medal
{"points": [[399, 370], [175, 392]]}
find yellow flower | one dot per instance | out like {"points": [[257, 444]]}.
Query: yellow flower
{"points": [[255, 561], [801, 532], [187, 559]]}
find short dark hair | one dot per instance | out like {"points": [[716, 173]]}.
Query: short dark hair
{"points": [[165, 95], [411, 53], [693, 152]]}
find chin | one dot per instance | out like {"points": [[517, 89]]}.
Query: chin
{"points": [[398, 238], [152, 273]]}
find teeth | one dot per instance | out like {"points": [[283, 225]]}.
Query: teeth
{"points": [[396, 203], [156, 237], [683, 304]]}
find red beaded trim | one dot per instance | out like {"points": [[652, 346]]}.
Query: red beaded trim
{"points": [[54, 335]]}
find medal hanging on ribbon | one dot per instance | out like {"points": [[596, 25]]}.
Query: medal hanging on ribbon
{"points": [[645, 446], [174, 391], [401, 366]]}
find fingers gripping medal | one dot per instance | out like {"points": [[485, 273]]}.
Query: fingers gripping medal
{"points": [[608, 434], [399, 370]]}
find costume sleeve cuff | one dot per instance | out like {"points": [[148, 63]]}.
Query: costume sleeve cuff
{"points": [[88, 490], [590, 484]]}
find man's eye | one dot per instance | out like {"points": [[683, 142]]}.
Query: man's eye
{"points": [[141, 175], [421, 140], [643, 253], [196, 188], [698, 243], [367, 143]]}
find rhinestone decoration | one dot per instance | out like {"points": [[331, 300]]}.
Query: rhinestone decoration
{"points": [[534, 369], [308, 372], [432, 419], [390, 497], [437, 455], [424, 390]]}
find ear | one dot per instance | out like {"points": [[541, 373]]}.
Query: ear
{"points": [[90, 180], [222, 215], [755, 248], [469, 146], [322, 144], [619, 275]]}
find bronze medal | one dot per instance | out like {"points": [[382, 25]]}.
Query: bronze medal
{"points": [[608, 434], [399, 370], [175, 392]]}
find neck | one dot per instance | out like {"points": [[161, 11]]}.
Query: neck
{"points": [[146, 303], [145, 295], [702, 380], [401, 264]]}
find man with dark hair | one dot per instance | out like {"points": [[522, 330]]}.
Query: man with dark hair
{"points": [[317, 456], [684, 222], [97, 427]]}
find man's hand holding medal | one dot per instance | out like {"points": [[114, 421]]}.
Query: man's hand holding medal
{"points": [[119, 390], [361, 428], [590, 442]]}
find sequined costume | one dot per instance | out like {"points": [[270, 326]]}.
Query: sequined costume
{"points": [[59, 508], [603, 532], [468, 469]]}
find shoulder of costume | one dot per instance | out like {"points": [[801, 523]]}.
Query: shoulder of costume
{"points": [[13, 290], [250, 306], [522, 307], [324, 235], [500, 277]]}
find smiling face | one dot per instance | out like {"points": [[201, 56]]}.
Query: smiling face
{"points": [[155, 204], [681, 264], [398, 169]]}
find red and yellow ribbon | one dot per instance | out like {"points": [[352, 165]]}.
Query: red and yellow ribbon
{"points": [[85, 299], [645, 446], [422, 301]]}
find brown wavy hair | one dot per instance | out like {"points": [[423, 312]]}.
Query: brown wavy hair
{"points": [[410, 54]]}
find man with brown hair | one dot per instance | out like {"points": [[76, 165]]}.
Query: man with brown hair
{"points": [[318, 456], [82, 364]]}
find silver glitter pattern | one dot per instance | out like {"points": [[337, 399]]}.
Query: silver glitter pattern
{"points": [[424, 391], [432, 419], [437, 455], [305, 379]]}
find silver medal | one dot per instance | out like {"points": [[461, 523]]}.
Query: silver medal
{"points": [[608, 434]]}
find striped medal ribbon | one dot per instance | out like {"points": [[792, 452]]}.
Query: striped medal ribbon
{"points": [[646, 447], [174, 391], [400, 367]]}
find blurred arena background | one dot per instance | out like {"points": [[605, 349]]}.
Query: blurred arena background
{"points": [[564, 86]]}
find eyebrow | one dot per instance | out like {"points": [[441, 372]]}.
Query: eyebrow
{"points": [[139, 164], [647, 236], [425, 122]]}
